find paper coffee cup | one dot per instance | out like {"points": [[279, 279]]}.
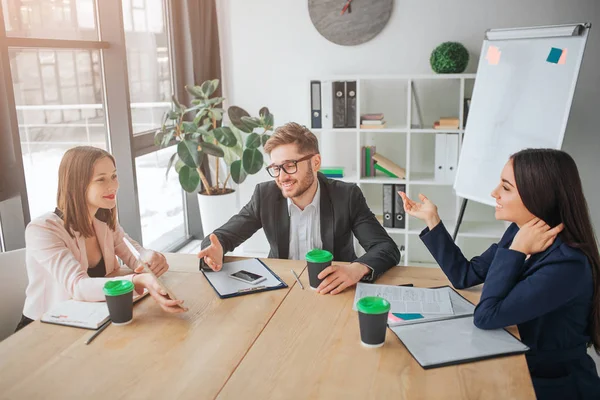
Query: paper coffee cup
{"points": [[119, 299], [317, 260], [372, 320]]}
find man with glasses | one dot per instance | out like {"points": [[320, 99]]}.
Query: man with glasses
{"points": [[302, 210]]}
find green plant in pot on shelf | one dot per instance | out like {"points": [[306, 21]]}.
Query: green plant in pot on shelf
{"points": [[238, 145]]}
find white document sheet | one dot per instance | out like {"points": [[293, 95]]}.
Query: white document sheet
{"points": [[408, 299], [461, 307], [225, 285]]}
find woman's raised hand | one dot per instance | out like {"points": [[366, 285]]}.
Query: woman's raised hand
{"points": [[425, 210]]}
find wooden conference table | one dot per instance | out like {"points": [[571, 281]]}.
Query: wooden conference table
{"points": [[289, 343]]}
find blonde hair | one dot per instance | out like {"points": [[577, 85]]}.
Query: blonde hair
{"points": [[74, 177], [295, 133]]}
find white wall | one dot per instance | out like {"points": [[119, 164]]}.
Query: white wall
{"points": [[271, 51]]}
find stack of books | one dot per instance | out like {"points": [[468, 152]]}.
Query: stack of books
{"points": [[372, 121], [446, 123], [332, 172]]}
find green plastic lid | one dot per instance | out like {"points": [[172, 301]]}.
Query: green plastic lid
{"points": [[319, 256], [117, 288], [373, 305]]}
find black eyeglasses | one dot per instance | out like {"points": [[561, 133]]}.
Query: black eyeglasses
{"points": [[289, 167]]}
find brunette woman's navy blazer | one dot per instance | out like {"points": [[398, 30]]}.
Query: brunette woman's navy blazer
{"points": [[548, 296]]}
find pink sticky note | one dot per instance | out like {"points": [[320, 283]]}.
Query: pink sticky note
{"points": [[393, 318], [563, 57], [493, 55]]}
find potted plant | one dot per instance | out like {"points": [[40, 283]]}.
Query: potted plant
{"points": [[199, 132]]}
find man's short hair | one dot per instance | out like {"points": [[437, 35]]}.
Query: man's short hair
{"points": [[295, 133]]}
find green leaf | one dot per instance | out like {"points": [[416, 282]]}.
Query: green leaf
{"points": [[208, 137], [188, 152], [216, 114], [194, 91], [235, 114], [173, 115], [263, 112], [237, 172], [229, 155], [170, 164], [189, 179], [207, 88], [237, 133], [189, 127], [269, 121], [169, 136], [207, 126], [252, 161], [177, 103], [158, 137], [200, 115], [178, 165], [225, 136], [253, 141], [251, 122], [264, 139], [214, 101], [212, 149], [215, 83]]}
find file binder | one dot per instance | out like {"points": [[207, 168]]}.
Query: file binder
{"points": [[351, 104], [438, 341], [326, 104], [451, 156], [399, 220], [456, 341], [440, 157], [315, 99], [339, 104], [388, 205]]}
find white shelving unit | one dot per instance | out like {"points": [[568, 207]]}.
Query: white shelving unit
{"points": [[411, 147]]}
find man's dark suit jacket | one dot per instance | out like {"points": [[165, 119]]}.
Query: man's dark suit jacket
{"points": [[344, 212]]}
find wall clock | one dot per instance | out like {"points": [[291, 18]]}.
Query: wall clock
{"points": [[349, 23]]}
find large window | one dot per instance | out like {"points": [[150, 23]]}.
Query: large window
{"points": [[59, 51], [148, 62], [58, 96]]}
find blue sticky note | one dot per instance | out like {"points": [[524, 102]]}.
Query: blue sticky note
{"points": [[554, 55], [408, 317]]}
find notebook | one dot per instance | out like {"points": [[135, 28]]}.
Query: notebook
{"points": [[227, 287], [81, 314]]}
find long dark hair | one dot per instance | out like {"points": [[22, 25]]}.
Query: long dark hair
{"points": [[549, 185]]}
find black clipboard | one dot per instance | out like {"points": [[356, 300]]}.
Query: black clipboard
{"points": [[282, 284]]}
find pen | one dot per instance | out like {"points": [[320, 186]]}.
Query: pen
{"points": [[297, 279], [251, 289], [103, 327]]}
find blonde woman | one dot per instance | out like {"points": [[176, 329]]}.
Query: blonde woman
{"points": [[72, 252]]}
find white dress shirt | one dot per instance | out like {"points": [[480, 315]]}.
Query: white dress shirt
{"points": [[305, 227]]}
